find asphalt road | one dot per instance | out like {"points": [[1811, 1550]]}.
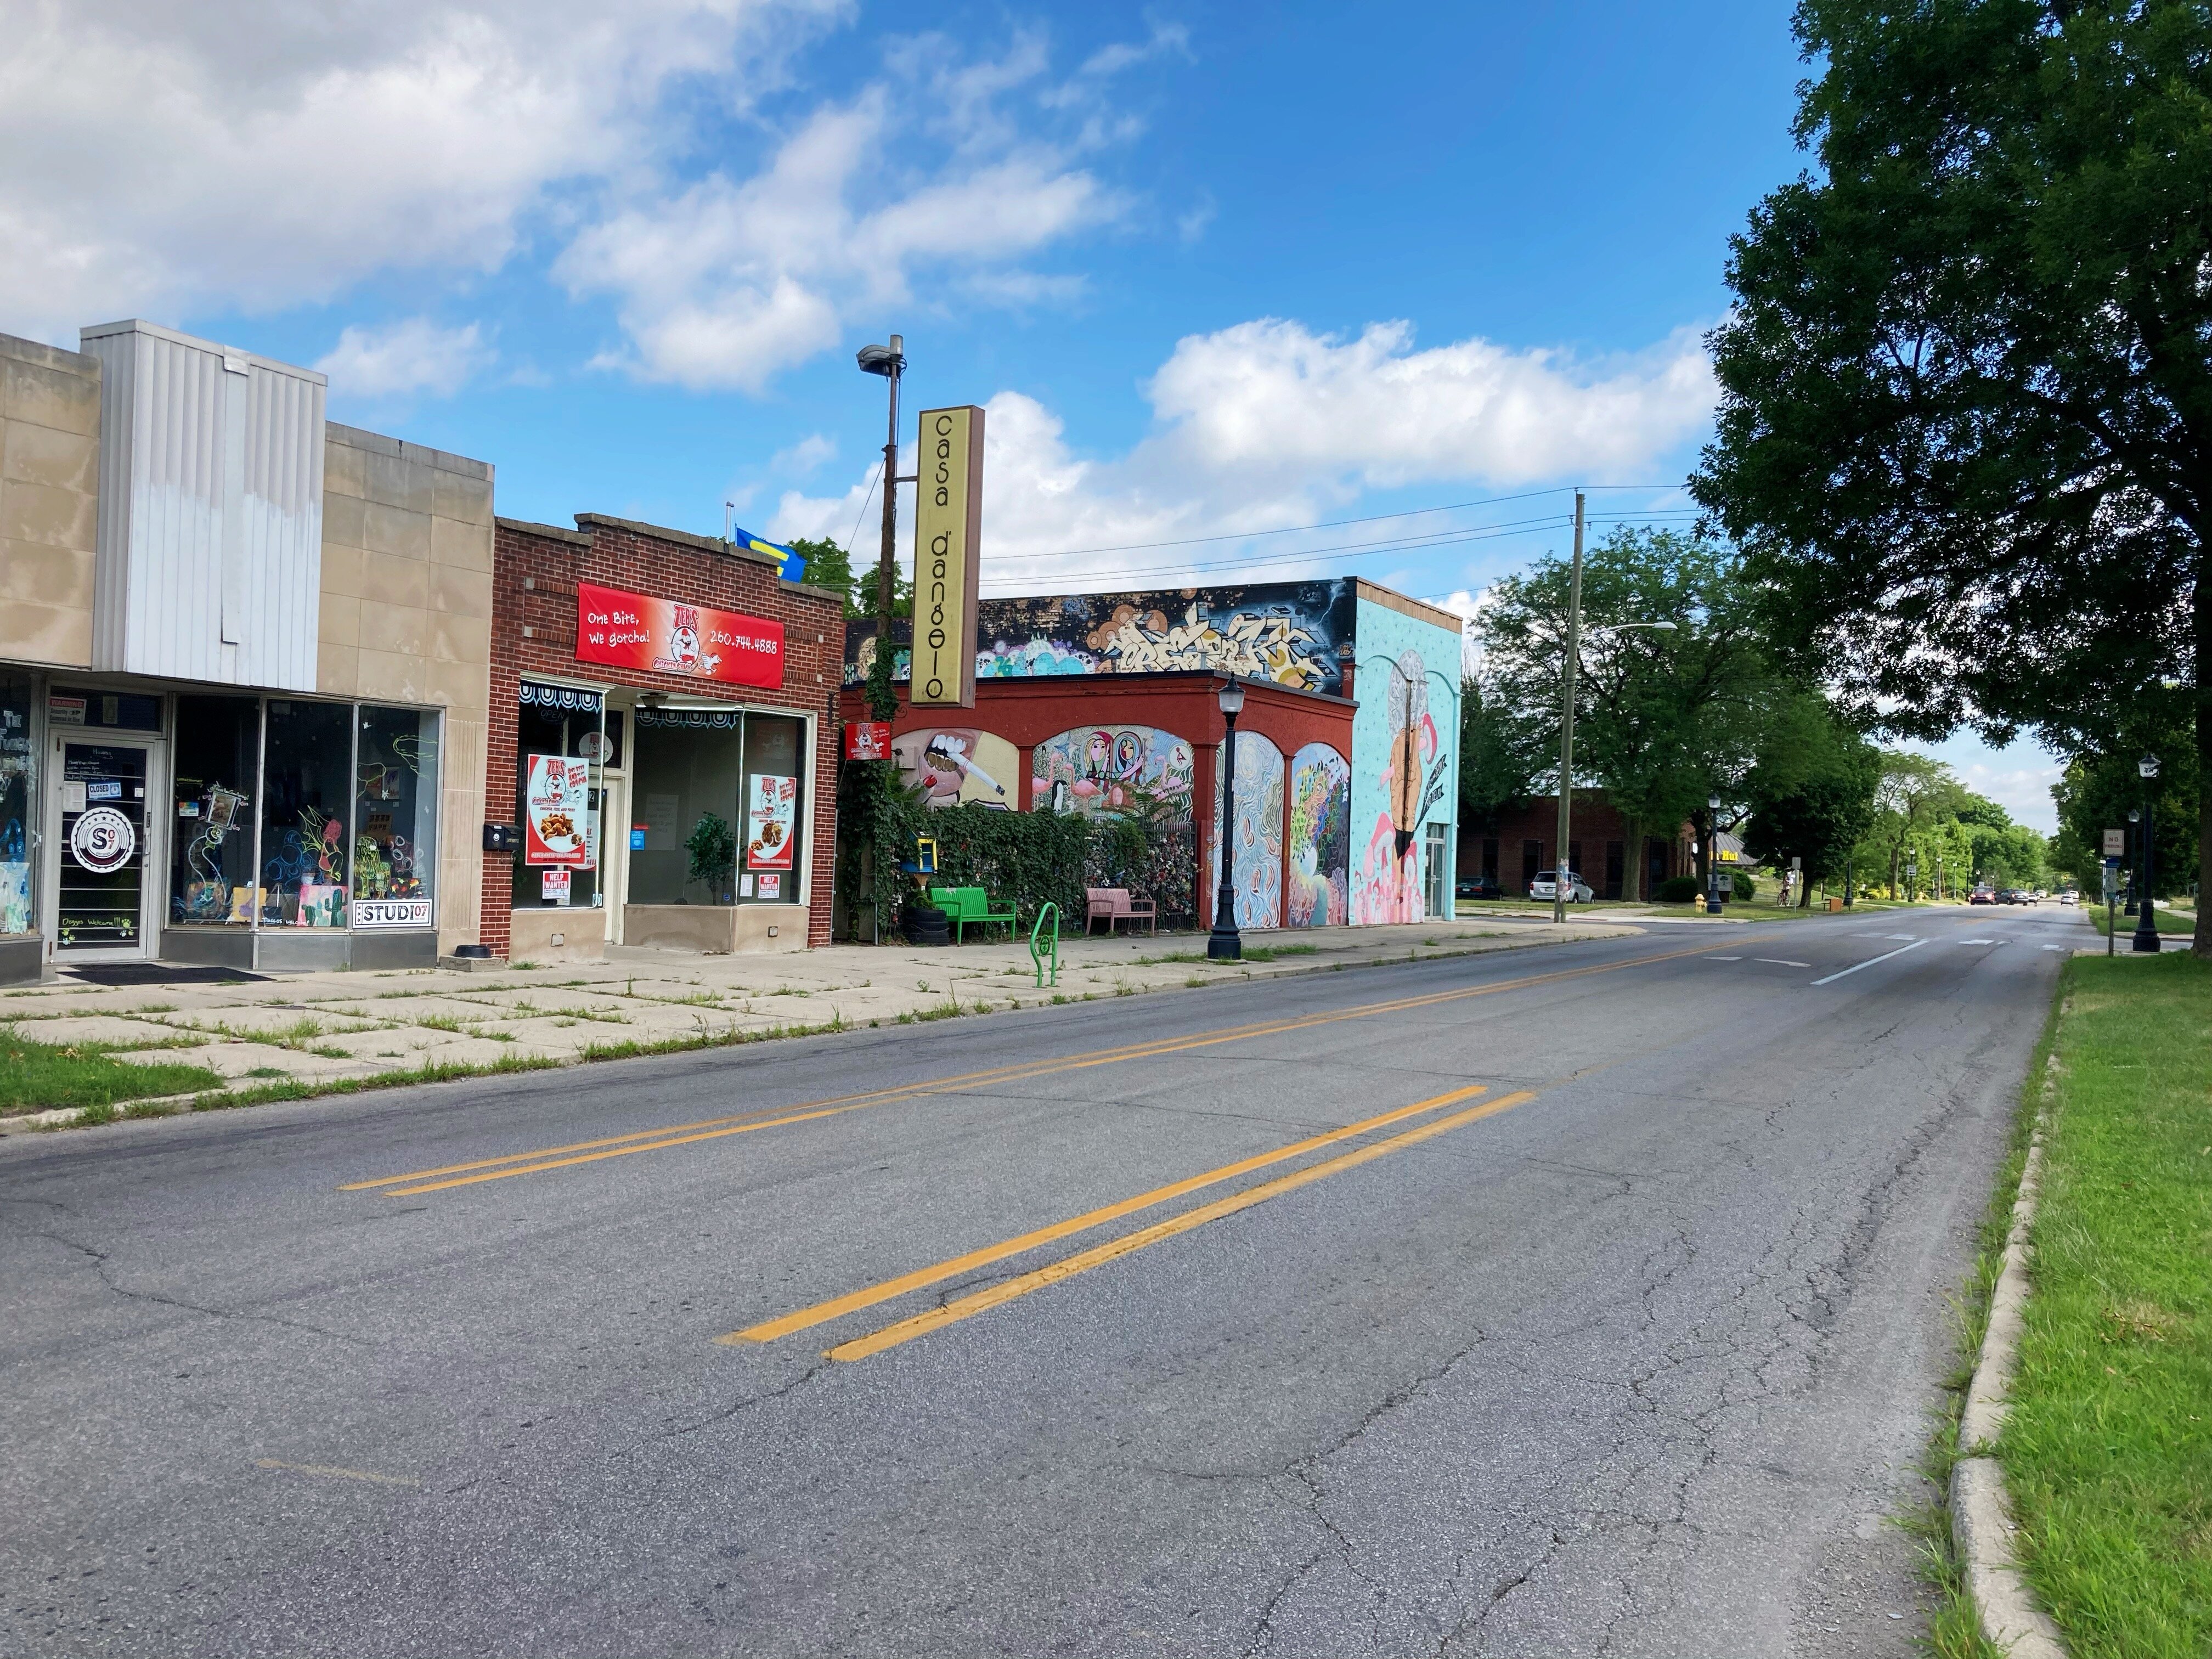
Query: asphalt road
{"points": [[1616, 1336]]}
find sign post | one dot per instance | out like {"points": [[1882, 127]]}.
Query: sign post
{"points": [[2111, 885], [948, 545]]}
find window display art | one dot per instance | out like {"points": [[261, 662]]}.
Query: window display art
{"points": [[395, 818], [771, 811], [16, 795], [556, 804], [307, 789]]}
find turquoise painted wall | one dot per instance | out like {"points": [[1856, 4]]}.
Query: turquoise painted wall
{"points": [[1407, 678]]}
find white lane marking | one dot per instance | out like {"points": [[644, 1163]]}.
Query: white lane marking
{"points": [[1900, 936], [1978, 941], [1724, 958], [1779, 962], [1870, 961]]}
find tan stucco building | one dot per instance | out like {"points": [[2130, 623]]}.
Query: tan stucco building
{"points": [[243, 661]]}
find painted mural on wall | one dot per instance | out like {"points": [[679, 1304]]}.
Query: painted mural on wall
{"points": [[1296, 634], [1256, 873], [1405, 767], [1114, 769], [1317, 890], [959, 766]]}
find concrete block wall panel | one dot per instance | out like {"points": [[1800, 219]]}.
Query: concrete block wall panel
{"points": [[668, 564], [405, 617], [49, 491]]}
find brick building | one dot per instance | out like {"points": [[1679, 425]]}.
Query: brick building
{"points": [[1521, 841], [646, 684]]}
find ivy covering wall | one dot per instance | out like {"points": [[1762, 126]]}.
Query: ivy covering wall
{"points": [[1030, 858]]}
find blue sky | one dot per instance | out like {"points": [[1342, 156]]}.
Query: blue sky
{"points": [[1214, 270]]}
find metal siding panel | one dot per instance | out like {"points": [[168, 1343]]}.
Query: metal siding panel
{"points": [[283, 507]]}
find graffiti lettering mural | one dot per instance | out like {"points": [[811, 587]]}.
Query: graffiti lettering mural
{"points": [[1296, 634], [1315, 893], [1114, 769], [954, 766]]}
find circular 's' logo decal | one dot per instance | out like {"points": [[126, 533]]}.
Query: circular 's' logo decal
{"points": [[103, 840]]}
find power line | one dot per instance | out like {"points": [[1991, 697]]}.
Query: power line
{"points": [[1339, 523], [1375, 549]]}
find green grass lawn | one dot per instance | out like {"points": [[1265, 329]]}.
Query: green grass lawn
{"points": [[37, 1077], [2169, 920], [2108, 1453]]}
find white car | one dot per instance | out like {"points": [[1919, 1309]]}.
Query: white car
{"points": [[2068, 896], [1546, 886]]}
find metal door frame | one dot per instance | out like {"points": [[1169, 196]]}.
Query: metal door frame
{"points": [[153, 883]]}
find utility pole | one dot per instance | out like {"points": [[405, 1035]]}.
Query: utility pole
{"points": [[888, 561], [1560, 874]]}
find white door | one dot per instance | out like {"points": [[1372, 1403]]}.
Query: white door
{"points": [[106, 876], [614, 850]]}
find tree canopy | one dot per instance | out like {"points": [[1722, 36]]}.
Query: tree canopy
{"points": [[1965, 428]]}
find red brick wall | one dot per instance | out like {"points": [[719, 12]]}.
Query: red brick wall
{"points": [[1595, 821], [670, 566]]}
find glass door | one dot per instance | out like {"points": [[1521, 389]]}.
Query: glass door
{"points": [[101, 837]]}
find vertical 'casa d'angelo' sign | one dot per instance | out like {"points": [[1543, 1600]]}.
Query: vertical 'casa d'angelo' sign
{"points": [[948, 545]]}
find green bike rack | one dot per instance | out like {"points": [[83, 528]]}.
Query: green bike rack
{"points": [[1050, 950]]}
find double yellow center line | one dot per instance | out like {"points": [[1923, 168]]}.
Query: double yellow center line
{"points": [[967, 1307], [536, 1162]]}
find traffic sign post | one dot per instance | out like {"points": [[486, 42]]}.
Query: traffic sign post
{"points": [[2112, 887]]}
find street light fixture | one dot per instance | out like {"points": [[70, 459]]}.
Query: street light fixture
{"points": [[1223, 944], [889, 362], [2146, 920], [2135, 864], [1712, 855]]}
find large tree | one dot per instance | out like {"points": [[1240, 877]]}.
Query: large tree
{"points": [[1966, 428], [1811, 794], [1662, 719]]}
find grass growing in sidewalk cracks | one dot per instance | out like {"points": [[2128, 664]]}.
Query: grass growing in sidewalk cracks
{"points": [[2108, 1451], [36, 1076]]}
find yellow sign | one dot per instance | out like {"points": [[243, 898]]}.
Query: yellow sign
{"points": [[948, 546]]}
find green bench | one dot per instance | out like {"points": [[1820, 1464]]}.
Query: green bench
{"points": [[970, 906]]}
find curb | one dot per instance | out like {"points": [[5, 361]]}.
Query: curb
{"points": [[1981, 1514]]}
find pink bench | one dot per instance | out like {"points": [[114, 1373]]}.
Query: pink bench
{"points": [[1114, 905]]}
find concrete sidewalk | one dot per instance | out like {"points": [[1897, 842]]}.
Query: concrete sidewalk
{"points": [[334, 1028]]}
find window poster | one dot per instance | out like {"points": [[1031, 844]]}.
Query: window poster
{"points": [[771, 809], [555, 813]]}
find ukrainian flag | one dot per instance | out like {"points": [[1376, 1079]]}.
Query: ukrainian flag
{"points": [[790, 565]]}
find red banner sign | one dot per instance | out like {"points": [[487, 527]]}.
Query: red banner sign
{"points": [[868, 739], [635, 630]]}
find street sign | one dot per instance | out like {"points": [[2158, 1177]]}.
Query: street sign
{"points": [[2116, 844]]}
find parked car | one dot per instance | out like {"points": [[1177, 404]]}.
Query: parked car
{"points": [[1546, 885], [1477, 887]]}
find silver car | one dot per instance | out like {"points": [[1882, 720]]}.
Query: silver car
{"points": [[1546, 886]]}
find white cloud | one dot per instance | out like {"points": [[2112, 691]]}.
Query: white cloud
{"points": [[1270, 395], [405, 358], [1266, 426], [727, 282], [803, 456], [155, 157]]}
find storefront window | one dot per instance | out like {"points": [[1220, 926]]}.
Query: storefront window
{"points": [[218, 759], [395, 842], [772, 804], [18, 790], [685, 813], [307, 789], [560, 747]]}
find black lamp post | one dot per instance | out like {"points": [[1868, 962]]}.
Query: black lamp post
{"points": [[2135, 864], [2146, 920], [1713, 855], [1223, 944], [889, 362]]}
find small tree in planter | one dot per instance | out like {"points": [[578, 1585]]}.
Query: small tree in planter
{"points": [[714, 849]]}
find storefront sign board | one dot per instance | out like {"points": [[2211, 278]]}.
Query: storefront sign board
{"points": [[554, 805], [553, 886], [666, 636], [393, 912], [771, 806], [868, 739], [948, 547]]}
